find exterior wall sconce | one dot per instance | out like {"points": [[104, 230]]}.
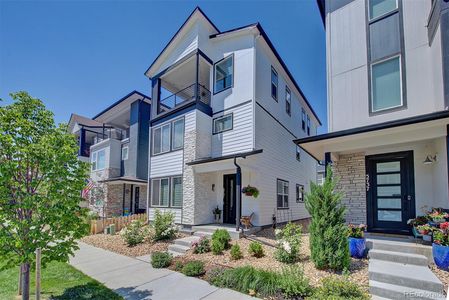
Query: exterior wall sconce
{"points": [[430, 159], [213, 187]]}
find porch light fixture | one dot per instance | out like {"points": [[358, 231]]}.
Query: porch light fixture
{"points": [[430, 159], [213, 187]]}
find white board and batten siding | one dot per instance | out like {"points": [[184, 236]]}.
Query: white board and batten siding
{"points": [[240, 138]]}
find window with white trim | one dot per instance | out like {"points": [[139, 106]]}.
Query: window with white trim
{"points": [[299, 193], [98, 160], [125, 150], [274, 84], [224, 74], [176, 192], [160, 192], [223, 123], [282, 193], [298, 153], [303, 122], [288, 101], [168, 137]]}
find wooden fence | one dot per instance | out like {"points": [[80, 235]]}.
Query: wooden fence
{"points": [[98, 226]]}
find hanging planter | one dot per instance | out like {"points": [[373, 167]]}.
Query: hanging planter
{"points": [[250, 191]]}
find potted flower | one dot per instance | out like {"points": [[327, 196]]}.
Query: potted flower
{"points": [[418, 221], [251, 191], [357, 244], [440, 246], [424, 229], [217, 214], [438, 216]]}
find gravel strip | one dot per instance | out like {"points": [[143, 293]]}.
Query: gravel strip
{"points": [[442, 275]]}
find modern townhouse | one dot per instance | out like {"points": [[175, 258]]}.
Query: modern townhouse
{"points": [[225, 112], [116, 143], [388, 99]]}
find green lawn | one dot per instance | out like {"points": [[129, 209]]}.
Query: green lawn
{"points": [[59, 281]]}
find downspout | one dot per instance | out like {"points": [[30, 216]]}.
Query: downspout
{"points": [[238, 199]]}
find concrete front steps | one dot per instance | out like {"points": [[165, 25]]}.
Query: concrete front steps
{"points": [[398, 269], [181, 246]]}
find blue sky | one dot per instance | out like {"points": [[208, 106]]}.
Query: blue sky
{"points": [[81, 56]]}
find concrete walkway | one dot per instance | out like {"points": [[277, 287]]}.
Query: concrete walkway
{"points": [[134, 278]]}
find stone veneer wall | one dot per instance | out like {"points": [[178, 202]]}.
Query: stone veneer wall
{"points": [[350, 170], [188, 181]]}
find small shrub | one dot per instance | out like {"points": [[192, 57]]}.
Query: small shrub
{"points": [[134, 233], [222, 236], [236, 253], [164, 225], [288, 242], [338, 289], [202, 246], [293, 283], [255, 249], [178, 266], [193, 268], [161, 259], [217, 247]]}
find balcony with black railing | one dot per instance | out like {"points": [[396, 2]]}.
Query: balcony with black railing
{"points": [[193, 93]]}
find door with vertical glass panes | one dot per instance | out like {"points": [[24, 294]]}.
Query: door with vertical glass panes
{"points": [[390, 192]]}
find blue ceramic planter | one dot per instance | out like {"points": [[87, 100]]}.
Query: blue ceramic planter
{"points": [[357, 247], [441, 256]]}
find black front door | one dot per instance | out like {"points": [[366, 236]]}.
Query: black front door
{"points": [[229, 197], [390, 192]]}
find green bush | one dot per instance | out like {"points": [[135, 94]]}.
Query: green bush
{"points": [[222, 236], [202, 246], [161, 259], [164, 225], [255, 249], [134, 233], [293, 283], [217, 247], [178, 266], [193, 268], [338, 289], [288, 242], [236, 253], [290, 283], [328, 232]]}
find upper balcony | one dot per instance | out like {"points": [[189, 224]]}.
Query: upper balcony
{"points": [[183, 84], [91, 135]]}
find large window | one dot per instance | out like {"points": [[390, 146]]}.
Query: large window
{"points": [[98, 160], [282, 193], [223, 123], [168, 137], [386, 89], [274, 84], [224, 74], [379, 8], [167, 192], [178, 134], [299, 193], [303, 122], [288, 101]]}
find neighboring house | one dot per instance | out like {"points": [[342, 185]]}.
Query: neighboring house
{"points": [[116, 144], [388, 99], [225, 112]]}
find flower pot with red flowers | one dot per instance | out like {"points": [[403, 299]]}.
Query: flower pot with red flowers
{"points": [[440, 246], [438, 216], [418, 221], [356, 239], [424, 229], [250, 191]]}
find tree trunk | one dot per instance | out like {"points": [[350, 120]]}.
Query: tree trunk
{"points": [[26, 281]]}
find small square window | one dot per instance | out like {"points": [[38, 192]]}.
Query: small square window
{"points": [[299, 193], [223, 123], [288, 101], [224, 74], [125, 153], [274, 84]]}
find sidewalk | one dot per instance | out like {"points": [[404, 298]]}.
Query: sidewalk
{"points": [[134, 278]]}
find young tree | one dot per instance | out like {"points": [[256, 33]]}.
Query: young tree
{"points": [[328, 232], [40, 187]]}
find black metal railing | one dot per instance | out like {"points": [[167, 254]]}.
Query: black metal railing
{"points": [[106, 132], [194, 92]]}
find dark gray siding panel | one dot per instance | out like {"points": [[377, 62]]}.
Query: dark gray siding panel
{"points": [[385, 37], [143, 144]]}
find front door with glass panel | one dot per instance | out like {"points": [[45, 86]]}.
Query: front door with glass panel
{"points": [[390, 192]]}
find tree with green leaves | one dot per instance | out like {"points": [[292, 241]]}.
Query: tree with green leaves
{"points": [[328, 231], [40, 187]]}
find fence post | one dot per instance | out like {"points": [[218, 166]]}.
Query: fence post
{"points": [[38, 273]]}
